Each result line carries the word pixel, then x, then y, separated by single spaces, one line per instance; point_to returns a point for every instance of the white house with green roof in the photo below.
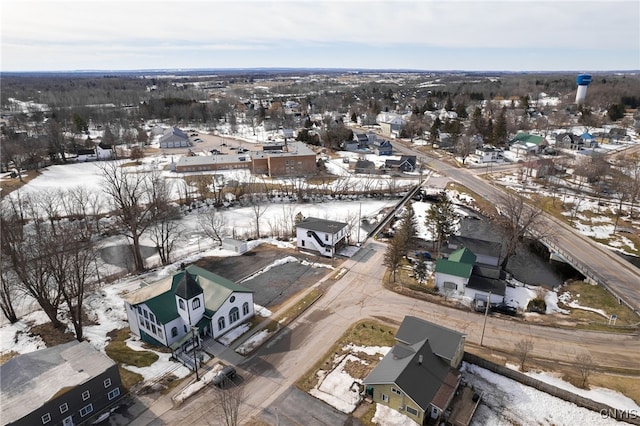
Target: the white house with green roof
pixel 464 274
pixel 164 312
pixel 524 144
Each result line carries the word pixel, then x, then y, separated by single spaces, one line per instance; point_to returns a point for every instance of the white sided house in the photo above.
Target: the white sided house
pixel 170 311
pixel 321 235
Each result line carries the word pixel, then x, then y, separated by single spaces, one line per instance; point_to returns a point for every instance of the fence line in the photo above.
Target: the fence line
pixel 606 411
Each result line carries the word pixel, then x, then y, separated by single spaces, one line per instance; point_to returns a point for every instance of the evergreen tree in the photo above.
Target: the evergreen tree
pixel 434 131
pixel 449 104
pixel 420 270
pixel 441 219
pixel 500 129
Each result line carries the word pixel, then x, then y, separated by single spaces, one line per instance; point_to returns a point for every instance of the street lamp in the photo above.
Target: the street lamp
pixel 195 352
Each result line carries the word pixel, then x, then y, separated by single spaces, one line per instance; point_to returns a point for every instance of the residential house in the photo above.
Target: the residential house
pixel 406 163
pixel 524 144
pixel 487 154
pixel 364 167
pixel 104 151
pixel 85 154
pixel 381 147
pixel 169 311
pixel 589 140
pixel 419 376
pixel 66 384
pixel 321 235
pixel 569 141
pixel 173 137
pixel 390 123
pixel 463 274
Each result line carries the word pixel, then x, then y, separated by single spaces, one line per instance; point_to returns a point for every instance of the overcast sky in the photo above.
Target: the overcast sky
pixel 540 35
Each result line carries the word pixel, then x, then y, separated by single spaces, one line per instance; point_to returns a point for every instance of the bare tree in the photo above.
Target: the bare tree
pixel 522 350
pixel 258 207
pixel 213 224
pixel 165 229
pixel 465 147
pixel 128 196
pixel 8 293
pixel 25 246
pixel 586 365
pixel 518 221
pixel 230 397
pixel 72 262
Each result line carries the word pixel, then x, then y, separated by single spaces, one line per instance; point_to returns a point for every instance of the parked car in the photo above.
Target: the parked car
pixel 504 309
pixel 425 255
pixel 214 152
pixel 225 375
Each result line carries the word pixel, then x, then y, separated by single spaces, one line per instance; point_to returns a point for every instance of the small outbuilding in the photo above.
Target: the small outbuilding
pixel 235 246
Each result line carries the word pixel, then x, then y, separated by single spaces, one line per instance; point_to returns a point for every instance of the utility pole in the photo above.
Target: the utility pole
pixel 359 223
pixel 486 313
pixel 195 352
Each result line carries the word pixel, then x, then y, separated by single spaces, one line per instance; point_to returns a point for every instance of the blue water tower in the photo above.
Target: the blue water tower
pixel 583 81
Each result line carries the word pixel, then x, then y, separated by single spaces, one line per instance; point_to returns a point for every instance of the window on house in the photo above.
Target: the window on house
pixel 107 383
pixel 113 394
pixel 160 331
pixel 141 321
pixel 140 310
pixel 85 395
pixel 64 408
pixel 152 317
pixel 174 331
pixel 326 237
pixel 450 286
pixel 385 398
pixel 245 309
pixel 396 391
pixel 46 418
pixel 86 410
pixel 146 324
pixel 153 329
pixel 233 299
pixel 302 243
pixel 181 304
pixel 196 303
pixel 146 314
pixel 412 411
pixel 234 315
pixel 221 324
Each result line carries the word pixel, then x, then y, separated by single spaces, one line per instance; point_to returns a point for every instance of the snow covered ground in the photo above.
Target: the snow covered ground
pixel 507 402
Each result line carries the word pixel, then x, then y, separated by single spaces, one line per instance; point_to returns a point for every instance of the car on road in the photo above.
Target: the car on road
pixel 226 375
pixel 215 152
pixel 502 308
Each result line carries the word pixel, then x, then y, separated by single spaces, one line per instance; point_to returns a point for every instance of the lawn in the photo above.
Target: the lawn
pixel 118 351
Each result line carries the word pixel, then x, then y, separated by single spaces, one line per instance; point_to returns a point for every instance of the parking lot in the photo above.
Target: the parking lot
pixel 279 283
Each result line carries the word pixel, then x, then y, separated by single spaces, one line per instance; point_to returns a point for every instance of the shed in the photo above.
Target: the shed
pixel 235 246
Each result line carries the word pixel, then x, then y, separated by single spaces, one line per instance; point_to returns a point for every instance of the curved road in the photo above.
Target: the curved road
pixel 359 294
pixel 612 271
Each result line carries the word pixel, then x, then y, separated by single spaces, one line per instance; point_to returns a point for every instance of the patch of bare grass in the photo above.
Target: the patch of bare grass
pixel 362 333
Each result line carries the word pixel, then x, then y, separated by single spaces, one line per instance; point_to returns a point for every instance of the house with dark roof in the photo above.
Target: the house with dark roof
pixel 463 273
pixel 419 376
pixel 169 312
pixel 68 384
pixel 321 235
pixel 406 163
pixel 381 147
pixel 173 137
pixel 570 141
pixel 364 167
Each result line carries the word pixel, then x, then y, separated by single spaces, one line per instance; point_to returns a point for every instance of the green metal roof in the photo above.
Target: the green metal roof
pixel 463 255
pixel 164 307
pixel 457 269
pixel 527 138
pixel 216 289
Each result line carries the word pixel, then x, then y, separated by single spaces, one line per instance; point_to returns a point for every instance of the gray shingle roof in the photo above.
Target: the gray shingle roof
pixel 444 341
pixel 321 225
pixel 29 380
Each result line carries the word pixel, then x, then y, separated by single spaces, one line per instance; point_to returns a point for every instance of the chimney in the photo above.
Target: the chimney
pixel 419 359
